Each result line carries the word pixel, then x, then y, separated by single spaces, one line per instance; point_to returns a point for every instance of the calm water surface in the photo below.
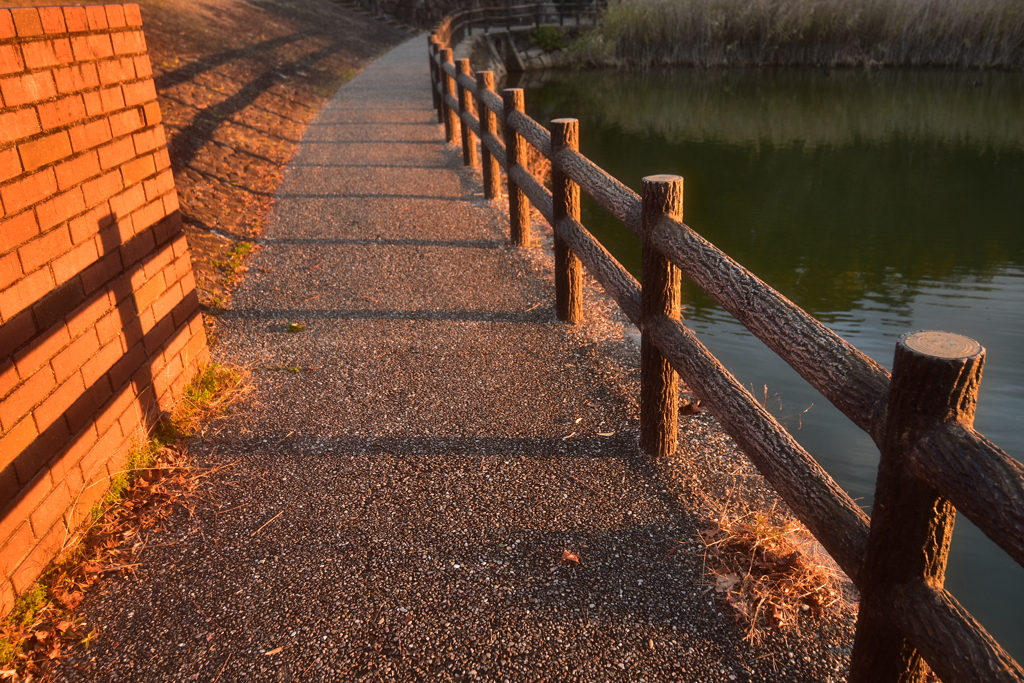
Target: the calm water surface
pixel 881 203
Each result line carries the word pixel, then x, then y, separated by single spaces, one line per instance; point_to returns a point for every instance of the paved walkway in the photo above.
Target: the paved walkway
pixel 413 467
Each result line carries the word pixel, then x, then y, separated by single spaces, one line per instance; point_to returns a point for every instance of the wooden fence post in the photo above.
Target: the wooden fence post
pixel 659 383
pixel 935 379
pixel 565 134
pixel 488 124
pixel 435 76
pixel 432 56
pixel 451 121
pixel 515 153
pixel 466 104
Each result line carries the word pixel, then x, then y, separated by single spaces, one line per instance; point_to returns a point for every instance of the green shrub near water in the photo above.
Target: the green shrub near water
pixel 948 33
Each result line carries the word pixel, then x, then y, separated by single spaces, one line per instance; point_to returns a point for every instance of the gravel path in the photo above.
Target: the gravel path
pixel 410 468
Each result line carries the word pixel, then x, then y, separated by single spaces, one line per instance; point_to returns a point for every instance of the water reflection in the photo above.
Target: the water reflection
pixel 880 202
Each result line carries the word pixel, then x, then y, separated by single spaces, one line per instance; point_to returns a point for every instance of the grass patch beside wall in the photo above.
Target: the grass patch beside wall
pixel 946 33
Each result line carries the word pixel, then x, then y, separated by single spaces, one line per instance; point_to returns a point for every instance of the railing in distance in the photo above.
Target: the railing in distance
pixel 921 418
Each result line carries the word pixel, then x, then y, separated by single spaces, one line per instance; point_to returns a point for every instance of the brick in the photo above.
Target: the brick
pixel 7 29
pixel 25 293
pixel 76 77
pixel 156 186
pixel 90 135
pixel 101 273
pixel 148 216
pixel 88 225
pixel 57 304
pixel 129 42
pixel 125 368
pixel 163 159
pixel 27 88
pixel 111 99
pixel 10 269
pixel 103 188
pixel 76 171
pixel 84 318
pixel 10 164
pixel 41 54
pixel 132 15
pixel 8 380
pixel 60 209
pixel 17 230
pixel 117 323
pixel 52 19
pixel 139 92
pixel 41 350
pixel 100 364
pixel 10 60
pixel 143 67
pixel 65 464
pixel 115 16
pixel 116 153
pixel 138 169
pixel 116 70
pixel 152 112
pixel 44 551
pixel 111 413
pixel 125 122
pixel 74 262
pixel 128 201
pixel 27 22
pixel 16 441
pixel 17 547
pixel 28 190
pixel 89 47
pixel 109 443
pixel 15 332
pixel 76 19
pixel 150 140
pixel 28 499
pixel 53 407
pixel 97 16
pixel 157 262
pixel 46 150
pixel 149 292
pixel 18 124
pixel 62 112
pixel 72 358
pixel 170 203
pixel 139 247
pixel 21 401
pixel 86 406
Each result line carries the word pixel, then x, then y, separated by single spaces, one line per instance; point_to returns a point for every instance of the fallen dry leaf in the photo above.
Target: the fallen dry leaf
pixel 275 651
pixel 569 556
pixel 725 582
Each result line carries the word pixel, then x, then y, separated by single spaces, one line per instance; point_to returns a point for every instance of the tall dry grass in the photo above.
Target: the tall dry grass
pixel 948 33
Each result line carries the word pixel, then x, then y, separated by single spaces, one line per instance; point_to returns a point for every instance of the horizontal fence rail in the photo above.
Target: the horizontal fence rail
pixel 933 463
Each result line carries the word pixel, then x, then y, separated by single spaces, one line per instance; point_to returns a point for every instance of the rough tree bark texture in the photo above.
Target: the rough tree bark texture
pixel 518 205
pixel 565 133
pixel 488 126
pixel 659 383
pixel 469 155
pixel 935 380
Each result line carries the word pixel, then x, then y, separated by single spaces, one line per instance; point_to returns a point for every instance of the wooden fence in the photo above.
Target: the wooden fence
pixel 458 25
pixel 932 461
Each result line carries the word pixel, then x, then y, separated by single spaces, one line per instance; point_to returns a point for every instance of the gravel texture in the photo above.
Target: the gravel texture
pixel 410 468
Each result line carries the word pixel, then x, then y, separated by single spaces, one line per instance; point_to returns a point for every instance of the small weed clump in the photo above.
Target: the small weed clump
pixel 768 570
pixel 547 38
pixel 158 476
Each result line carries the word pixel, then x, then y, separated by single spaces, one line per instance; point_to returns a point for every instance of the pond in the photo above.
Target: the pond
pixel 881 202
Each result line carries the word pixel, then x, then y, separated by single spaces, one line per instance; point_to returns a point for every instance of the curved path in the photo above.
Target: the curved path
pixel 414 466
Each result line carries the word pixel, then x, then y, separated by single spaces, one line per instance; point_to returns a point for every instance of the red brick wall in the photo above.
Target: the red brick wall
pixel 99 327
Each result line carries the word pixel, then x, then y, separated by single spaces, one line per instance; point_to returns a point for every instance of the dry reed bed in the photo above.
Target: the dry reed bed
pixel 947 33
